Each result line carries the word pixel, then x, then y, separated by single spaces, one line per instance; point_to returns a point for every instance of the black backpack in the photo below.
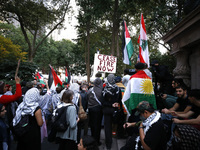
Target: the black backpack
pixel 22 127
pixel 59 123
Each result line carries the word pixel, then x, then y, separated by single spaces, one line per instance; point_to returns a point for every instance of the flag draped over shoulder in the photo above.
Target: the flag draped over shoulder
pixel 143 45
pixel 40 78
pixel 67 76
pixel 53 80
pixel 139 88
pixel 127 45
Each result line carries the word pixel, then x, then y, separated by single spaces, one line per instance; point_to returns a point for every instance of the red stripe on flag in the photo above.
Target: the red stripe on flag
pixel 140 74
pixel 140 54
pixel 55 77
pixel 126 30
pixel 142 22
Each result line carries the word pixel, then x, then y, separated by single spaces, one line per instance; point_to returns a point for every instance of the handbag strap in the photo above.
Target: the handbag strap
pixel 96 97
pixel 80 102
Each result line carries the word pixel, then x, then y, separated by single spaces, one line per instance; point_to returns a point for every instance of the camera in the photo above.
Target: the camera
pixel 161 94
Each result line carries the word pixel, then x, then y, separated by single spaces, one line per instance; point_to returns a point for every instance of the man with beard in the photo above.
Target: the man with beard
pixel 181 106
pixel 192 117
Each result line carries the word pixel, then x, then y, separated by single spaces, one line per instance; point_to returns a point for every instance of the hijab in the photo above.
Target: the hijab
pixel 98 87
pixel 75 88
pixel 28 105
pixel 111 88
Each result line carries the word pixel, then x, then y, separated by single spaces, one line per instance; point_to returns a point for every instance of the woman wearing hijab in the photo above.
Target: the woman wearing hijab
pixel 31 140
pixel 112 98
pixel 95 109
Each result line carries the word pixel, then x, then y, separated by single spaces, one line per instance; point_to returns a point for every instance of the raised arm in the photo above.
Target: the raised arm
pixel 5 99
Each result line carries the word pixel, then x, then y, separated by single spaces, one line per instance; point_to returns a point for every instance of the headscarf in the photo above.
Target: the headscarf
pixel 75 88
pixel 28 105
pixel 111 88
pixel 189 137
pixel 98 87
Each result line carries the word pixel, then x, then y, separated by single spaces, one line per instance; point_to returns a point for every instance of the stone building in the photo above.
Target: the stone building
pixel 185 41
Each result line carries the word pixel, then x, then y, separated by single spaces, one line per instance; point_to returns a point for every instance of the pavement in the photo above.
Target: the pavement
pixel 116 145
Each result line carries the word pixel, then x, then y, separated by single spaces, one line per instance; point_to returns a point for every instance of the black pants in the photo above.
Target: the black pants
pixel 82 125
pixel 108 114
pixel 130 144
pixel 66 144
pixel 95 118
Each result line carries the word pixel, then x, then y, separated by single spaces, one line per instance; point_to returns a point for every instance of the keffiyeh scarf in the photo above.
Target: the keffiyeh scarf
pixel 153 118
pixel 189 137
pixel 111 88
pixel 28 106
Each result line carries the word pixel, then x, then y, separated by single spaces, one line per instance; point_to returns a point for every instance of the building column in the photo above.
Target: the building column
pixel 195 67
pixel 182 69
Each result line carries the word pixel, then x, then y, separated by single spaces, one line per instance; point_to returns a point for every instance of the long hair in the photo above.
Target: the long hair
pixel 66 97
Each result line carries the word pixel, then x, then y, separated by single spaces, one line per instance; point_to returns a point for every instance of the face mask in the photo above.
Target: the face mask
pixel 142 118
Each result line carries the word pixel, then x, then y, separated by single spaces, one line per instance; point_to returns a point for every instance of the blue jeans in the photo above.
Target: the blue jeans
pixel 169 117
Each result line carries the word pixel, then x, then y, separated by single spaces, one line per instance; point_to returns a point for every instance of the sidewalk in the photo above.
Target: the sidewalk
pixel 116 145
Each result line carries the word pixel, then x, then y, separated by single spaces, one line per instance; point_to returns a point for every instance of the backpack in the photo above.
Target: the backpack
pixel 22 127
pixel 59 123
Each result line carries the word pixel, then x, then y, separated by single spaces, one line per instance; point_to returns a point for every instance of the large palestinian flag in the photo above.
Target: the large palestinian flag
pixel 127 45
pixel 139 88
pixel 53 80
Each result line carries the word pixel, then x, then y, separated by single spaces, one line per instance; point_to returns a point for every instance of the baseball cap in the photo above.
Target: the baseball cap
pixel 142 106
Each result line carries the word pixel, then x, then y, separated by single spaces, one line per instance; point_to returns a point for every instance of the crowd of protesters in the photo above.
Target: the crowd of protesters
pixel 174 124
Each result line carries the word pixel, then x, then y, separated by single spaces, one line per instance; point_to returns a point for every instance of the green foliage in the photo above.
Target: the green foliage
pixel 10 51
pixel 59 54
pixel 34 17
pixel 15 34
pixel 26 70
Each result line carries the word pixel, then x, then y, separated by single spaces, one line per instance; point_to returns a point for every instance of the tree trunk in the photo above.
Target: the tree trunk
pixel 88 53
pixel 114 28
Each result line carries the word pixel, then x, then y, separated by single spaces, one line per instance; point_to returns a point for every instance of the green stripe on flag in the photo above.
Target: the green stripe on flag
pixel 136 98
pixel 130 49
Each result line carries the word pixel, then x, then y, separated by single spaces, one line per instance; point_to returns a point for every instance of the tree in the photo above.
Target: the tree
pixel 90 12
pixel 14 34
pixel 9 51
pixel 59 54
pixel 35 17
pixel 26 70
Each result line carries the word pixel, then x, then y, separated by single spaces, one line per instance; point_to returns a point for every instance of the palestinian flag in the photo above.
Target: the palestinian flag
pixel 127 45
pixel 67 76
pixel 143 45
pixel 139 88
pixel 40 78
pixel 53 80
